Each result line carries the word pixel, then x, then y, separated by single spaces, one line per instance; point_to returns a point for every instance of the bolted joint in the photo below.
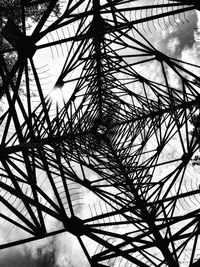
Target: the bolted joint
pixel 23 44
pixel 75 226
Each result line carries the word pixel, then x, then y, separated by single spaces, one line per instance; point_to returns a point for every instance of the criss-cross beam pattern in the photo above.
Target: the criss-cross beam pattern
pixel 107 158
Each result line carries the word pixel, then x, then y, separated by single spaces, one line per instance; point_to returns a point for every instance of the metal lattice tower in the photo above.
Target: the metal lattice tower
pixel 109 160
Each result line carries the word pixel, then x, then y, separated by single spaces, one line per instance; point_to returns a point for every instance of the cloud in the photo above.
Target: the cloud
pixel 64 250
pixel 172 44
pixel 69 252
pixel 42 255
pixel 191 54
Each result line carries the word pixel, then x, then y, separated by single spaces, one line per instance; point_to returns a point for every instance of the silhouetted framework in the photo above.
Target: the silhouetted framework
pixel 109 161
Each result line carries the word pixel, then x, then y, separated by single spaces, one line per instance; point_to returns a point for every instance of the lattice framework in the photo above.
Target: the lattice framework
pixel 107 137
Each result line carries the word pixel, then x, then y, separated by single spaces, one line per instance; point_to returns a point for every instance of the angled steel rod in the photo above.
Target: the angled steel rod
pixel 110 161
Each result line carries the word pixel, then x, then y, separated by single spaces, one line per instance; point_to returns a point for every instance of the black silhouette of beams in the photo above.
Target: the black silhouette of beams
pixel 97 41
pixel 26 159
pixel 27 240
pixel 115 10
pixel 44 18
pixel 7 76
pixel 186 2
pixel 31 201
pixel 118 26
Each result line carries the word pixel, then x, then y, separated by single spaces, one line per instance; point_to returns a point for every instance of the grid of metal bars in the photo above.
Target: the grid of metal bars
pixel 112 161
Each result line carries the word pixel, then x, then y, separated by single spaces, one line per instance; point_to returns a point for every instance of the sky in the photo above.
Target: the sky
pixel 63 250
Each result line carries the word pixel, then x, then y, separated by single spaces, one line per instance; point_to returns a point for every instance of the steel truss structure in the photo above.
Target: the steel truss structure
pixel 110 160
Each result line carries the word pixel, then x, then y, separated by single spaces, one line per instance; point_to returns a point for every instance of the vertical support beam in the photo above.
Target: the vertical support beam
pixel 160 242
pixel 97 40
